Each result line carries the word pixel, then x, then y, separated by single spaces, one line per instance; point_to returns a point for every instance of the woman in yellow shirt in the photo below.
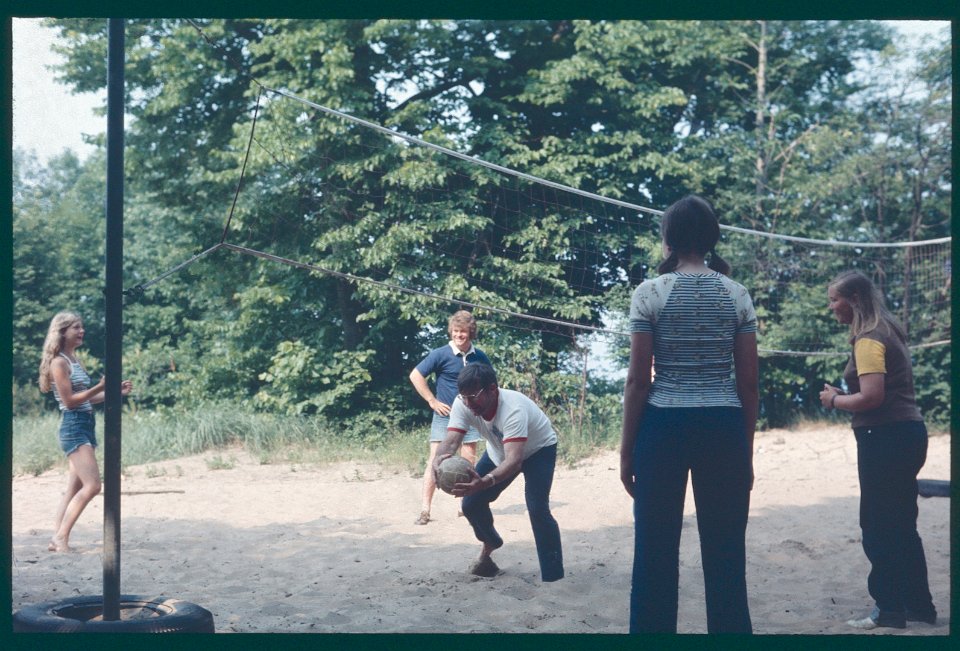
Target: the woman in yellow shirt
pixel 891 449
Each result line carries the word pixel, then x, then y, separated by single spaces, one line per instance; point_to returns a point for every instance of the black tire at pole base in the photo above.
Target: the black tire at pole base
pixel 138 614
pixel 933 487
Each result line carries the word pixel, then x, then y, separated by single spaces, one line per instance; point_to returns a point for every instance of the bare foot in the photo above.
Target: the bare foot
pixel 484 566
pixel 58 545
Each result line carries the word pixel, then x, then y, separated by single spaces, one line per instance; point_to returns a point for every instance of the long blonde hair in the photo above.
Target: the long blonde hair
pixel 870 311
pixel 53 344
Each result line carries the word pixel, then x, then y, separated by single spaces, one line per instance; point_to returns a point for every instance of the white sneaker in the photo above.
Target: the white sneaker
pixel 865 624
pixel 876 618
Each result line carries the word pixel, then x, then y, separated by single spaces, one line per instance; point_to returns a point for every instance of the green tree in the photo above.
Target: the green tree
pixel 58 235
pixel 764 117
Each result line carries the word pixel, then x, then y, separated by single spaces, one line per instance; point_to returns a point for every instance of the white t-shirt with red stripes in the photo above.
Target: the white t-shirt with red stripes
pixel 518 418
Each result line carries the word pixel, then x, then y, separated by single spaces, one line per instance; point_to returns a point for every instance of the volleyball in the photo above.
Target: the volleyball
pixel 453 470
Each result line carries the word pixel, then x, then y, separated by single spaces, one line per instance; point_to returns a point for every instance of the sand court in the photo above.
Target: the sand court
pixel 333 549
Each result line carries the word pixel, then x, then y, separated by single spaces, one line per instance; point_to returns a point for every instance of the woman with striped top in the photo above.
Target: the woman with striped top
pixel 697 417
pixel 61 371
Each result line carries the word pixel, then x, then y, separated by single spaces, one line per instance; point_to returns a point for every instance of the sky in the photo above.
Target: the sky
pixel 48 118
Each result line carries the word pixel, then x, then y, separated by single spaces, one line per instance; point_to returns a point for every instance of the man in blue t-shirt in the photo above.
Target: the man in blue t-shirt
pixel 446 362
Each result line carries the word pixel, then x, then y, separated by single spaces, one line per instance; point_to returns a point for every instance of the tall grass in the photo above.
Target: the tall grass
pixel 35 445
pixel 149 437
pixel 582 435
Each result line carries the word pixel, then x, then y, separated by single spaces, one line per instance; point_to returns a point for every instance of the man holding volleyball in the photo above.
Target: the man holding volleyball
pixel 519 438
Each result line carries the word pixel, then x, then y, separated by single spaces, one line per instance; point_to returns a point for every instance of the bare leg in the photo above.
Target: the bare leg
pixel 73 485
pixel 83 466
pixel 429 485
pixel 469 452
pixel 486 550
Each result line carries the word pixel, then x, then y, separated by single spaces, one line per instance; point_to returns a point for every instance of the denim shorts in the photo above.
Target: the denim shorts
pixel 76 429
pixel 438 430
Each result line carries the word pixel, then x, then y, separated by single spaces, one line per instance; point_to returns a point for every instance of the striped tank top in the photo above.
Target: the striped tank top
pixel 79 381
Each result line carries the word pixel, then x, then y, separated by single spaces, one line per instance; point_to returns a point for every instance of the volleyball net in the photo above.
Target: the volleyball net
pixel 410 221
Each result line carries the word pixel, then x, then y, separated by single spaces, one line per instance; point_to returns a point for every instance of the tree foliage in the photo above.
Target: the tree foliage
pixel 773 120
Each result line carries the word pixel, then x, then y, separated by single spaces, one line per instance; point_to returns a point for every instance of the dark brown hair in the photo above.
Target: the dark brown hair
pixel 475 376
pixel 690 225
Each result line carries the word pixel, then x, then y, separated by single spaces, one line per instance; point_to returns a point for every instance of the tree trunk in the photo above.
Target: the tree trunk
pixel 760 118
pixel 348 308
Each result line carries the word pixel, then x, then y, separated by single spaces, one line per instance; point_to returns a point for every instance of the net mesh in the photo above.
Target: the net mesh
pixel 784 276
pixel 393 212
pixel 401 216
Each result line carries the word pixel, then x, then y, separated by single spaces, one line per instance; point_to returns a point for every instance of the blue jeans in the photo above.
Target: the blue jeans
pixel 711 444
pixel 538 478
pixel 888 460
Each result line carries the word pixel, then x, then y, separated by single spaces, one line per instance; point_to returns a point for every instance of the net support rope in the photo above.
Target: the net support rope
pixel 243 169
pixel 140 288
pixel 572 190
pixel 407 290
pixel 535 179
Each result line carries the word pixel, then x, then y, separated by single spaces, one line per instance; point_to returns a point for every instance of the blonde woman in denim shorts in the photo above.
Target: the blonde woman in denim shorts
pixel 61 371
